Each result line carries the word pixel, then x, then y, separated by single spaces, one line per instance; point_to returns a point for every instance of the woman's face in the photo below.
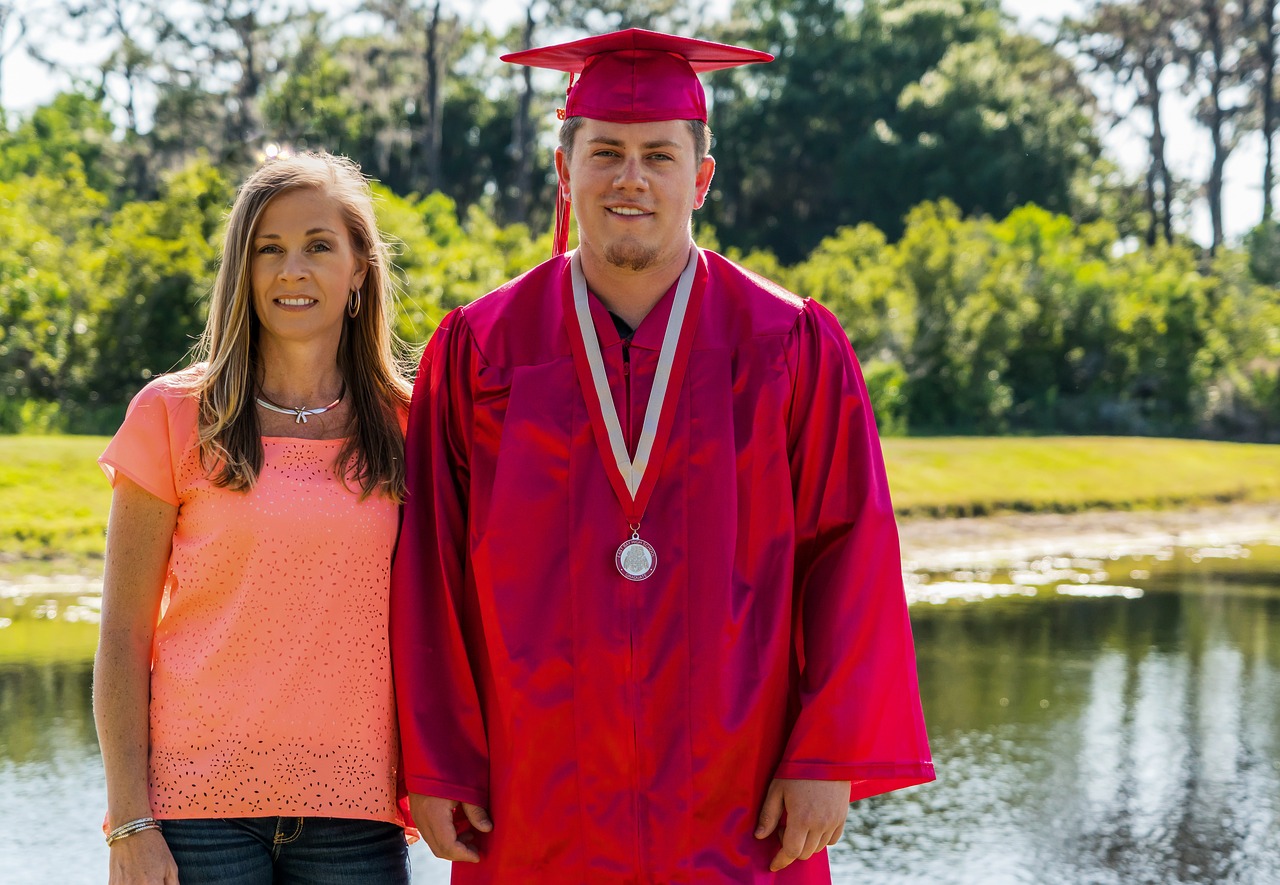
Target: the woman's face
pixel 303 269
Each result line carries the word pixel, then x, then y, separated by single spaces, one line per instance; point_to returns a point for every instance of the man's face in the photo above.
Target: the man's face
pixel 633 188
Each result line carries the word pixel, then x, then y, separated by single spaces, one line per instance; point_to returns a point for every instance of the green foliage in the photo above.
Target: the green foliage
pixel 49 228
pixel 153 273
pixel 965 322
pixel 856 170
pixel 886 386
pixel 872 108
pixel 1263 246
pixel 315 105
pixel 71 134
pixel 364 97
pixel 850 274
pixel 94 301
pixel 442 262
pixel 1035 323
pixel 1241 358
pixel 1053 270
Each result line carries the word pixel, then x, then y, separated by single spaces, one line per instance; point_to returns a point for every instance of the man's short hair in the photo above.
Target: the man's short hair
pixel 701 136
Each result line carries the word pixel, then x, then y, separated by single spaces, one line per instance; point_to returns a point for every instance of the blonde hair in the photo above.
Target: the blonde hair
pixel 229 433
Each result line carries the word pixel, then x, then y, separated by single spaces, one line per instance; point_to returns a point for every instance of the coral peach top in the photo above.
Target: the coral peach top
pixel 271 678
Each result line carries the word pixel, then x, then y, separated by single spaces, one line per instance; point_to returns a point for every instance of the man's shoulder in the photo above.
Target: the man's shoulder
pixel 519 322
pixel 531 291
pixel 757 306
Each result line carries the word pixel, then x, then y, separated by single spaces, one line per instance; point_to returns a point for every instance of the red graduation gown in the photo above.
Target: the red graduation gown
pixel 623 731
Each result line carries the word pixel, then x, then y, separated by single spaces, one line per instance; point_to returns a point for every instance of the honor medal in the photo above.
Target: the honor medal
pixel 636 559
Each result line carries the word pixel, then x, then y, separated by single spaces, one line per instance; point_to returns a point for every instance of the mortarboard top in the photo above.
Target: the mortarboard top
pixel 633 76
pixel 637 76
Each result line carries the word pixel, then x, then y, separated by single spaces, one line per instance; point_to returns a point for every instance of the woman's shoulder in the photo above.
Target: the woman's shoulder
pixel 176 396
pixel 175 387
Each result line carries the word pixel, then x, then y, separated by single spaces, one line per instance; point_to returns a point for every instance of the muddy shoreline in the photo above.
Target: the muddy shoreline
pixel 929 544
pixel 1000 541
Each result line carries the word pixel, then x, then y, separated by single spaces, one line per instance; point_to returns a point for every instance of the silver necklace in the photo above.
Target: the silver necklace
pixel 300 415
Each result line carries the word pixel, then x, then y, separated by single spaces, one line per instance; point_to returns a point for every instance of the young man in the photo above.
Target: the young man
pixel 648 622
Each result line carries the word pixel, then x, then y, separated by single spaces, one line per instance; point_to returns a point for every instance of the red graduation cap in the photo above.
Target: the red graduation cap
pixel 633 76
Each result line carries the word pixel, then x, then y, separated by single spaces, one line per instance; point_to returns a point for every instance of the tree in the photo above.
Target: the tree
pixel 997 123
pixel 70 135
pixel 1213 39
pixel 129 27
pixel 154 273
pixel 855 274
pixel 523 131
pixel 318 103
pixel 866 113
pixel 362 96
pixel 965 327
pixel 1134 44
pixel 1263 22
pixel 50 225
pixel 1055 369
pixel 433 39
pixel 132 29
pixel 219 56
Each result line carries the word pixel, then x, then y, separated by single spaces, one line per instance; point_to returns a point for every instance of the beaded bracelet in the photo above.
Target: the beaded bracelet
pixel 134 826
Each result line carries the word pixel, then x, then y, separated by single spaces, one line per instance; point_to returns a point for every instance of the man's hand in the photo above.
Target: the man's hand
pixel 815 812
pixel 434 817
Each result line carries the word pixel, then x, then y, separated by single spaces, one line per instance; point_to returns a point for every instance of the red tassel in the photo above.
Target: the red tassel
pixel 560 243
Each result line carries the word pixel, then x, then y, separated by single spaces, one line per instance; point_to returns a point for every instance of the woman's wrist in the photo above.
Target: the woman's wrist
pixel 132 828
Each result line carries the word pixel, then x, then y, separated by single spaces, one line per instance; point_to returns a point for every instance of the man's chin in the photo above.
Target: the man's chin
pixel 630 256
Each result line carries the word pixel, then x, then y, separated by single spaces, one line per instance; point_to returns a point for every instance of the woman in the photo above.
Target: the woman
pixel 242 688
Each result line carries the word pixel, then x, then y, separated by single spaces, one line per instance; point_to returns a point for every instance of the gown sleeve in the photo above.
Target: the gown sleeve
pixel 441 724
pixel 859 715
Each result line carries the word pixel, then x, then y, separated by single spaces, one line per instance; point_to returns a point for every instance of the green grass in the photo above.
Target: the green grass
pixel 54 498
pixel 953 476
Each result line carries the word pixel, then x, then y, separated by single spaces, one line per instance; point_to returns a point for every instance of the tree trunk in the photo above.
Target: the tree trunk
pixel 1216 121
pixel 433 99
pixel 1267 51
pixel 1149 200
pixel 522 133
pixel 1159 178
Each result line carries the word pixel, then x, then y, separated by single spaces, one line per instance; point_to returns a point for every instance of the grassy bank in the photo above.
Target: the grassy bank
pixel 54 499
pixel 967 476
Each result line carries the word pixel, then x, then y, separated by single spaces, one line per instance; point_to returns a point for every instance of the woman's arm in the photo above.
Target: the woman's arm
pixel 139 539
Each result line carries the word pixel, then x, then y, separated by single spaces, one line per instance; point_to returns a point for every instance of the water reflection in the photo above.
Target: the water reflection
pixel 1111 738
pixel 51 791
pixel 1094 740
pixel 57 695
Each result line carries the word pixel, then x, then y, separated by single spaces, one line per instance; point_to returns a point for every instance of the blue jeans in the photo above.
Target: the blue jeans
pixel 287 851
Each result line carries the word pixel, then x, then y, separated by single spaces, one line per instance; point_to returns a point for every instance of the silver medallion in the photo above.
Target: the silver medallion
pixel 636 559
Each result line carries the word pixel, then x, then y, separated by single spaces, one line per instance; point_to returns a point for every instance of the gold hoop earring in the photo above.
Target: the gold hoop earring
pixel 353 303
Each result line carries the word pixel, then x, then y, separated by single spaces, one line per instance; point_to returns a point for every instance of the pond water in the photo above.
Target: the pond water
pixel 1092 722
